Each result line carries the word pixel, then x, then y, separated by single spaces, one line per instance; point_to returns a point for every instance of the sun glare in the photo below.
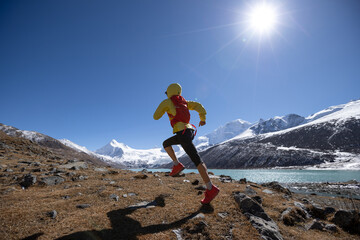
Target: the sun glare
pixel 262 18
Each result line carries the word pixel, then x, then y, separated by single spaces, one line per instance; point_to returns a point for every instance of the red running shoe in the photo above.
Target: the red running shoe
pixel 176 169
pixel 210 195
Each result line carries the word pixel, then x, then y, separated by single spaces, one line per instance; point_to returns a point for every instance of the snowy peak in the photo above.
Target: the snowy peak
pixel 134 158
pixel 39 138
pixel 277 124
pixel 113 149
pixel 339 112
pixel 117 144
pixel 30 135
pixel 222 133
pixel 74 146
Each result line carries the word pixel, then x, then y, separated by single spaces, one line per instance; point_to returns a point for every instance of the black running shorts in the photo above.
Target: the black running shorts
pixel 185 140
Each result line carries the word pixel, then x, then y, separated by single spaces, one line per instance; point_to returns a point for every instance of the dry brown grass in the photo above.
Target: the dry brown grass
pixel 23 213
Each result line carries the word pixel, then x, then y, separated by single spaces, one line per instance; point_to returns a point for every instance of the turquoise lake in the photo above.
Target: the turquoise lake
pixel 280 175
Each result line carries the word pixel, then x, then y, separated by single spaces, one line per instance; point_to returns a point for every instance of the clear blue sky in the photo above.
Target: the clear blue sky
pixel 91 71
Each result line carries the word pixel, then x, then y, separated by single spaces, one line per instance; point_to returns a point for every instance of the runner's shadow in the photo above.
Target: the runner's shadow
pixel 124 227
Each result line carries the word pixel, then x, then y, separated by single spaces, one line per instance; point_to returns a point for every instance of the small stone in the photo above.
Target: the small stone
pixel 52 214
pixel 242 181
pixel 223 214
pixel 29 180
pixel 75 165
pixel 267 191
pixel 50 181
pixel 70 174
pixel 258 199
pixel 66 197
pixel 82 206
pixel 141 176
pixel 315 225
pixel 201 188
pixel 131 194
pixel 112 182
pixel 331 227
pixel 143 204
pixel 225 179
pixel 200 215
pixel 329 210
pixel 195 182
pixel 100 170
pixel 114 197
pixel 178 234
pixel 249 190
pixel 8 170
pixel 125 195
pixel 277 187
pixel 185 180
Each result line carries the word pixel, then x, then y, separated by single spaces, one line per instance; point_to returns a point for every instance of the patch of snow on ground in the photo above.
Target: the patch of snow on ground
pixel 343 161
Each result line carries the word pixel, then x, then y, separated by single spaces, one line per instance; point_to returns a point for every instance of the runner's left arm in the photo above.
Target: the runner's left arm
pixel 199 108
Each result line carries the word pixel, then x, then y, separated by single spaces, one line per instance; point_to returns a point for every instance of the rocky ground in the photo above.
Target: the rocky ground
pixel 349 189
pixel 47 196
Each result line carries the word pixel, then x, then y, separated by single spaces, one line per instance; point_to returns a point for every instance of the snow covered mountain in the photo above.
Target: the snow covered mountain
pixel 242 129
pixel 64 148
pixel 222 134
pixel 79 148
pixel 39 138
pixel 277 124
pixel 135 158
pixel 327 139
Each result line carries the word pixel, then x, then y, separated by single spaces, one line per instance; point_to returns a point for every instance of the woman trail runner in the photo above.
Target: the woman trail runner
pixel 177 109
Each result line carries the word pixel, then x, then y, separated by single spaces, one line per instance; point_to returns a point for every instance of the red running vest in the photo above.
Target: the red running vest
pixel 182 111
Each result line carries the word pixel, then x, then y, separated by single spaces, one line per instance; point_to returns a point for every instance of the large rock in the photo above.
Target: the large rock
pixel 303 208
pixel 249 206
pixel 277 187
pixel 75 165
pixel 315 224
pixel 292 216
pixel 348 220
pixel 29 180
pixel 53 180
pixel 257 216
pixel 317 211
pixel 267 229
pixel 249 190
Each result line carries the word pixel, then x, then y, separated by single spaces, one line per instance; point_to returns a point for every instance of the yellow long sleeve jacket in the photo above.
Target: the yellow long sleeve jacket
pixel 168 106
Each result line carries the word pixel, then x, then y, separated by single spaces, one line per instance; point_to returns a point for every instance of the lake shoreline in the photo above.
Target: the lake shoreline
pixel 348 185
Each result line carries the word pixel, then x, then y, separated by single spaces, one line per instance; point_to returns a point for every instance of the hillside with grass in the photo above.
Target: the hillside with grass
pixel 45 195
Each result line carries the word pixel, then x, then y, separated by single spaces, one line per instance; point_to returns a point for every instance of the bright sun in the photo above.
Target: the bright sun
pixel 262 18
